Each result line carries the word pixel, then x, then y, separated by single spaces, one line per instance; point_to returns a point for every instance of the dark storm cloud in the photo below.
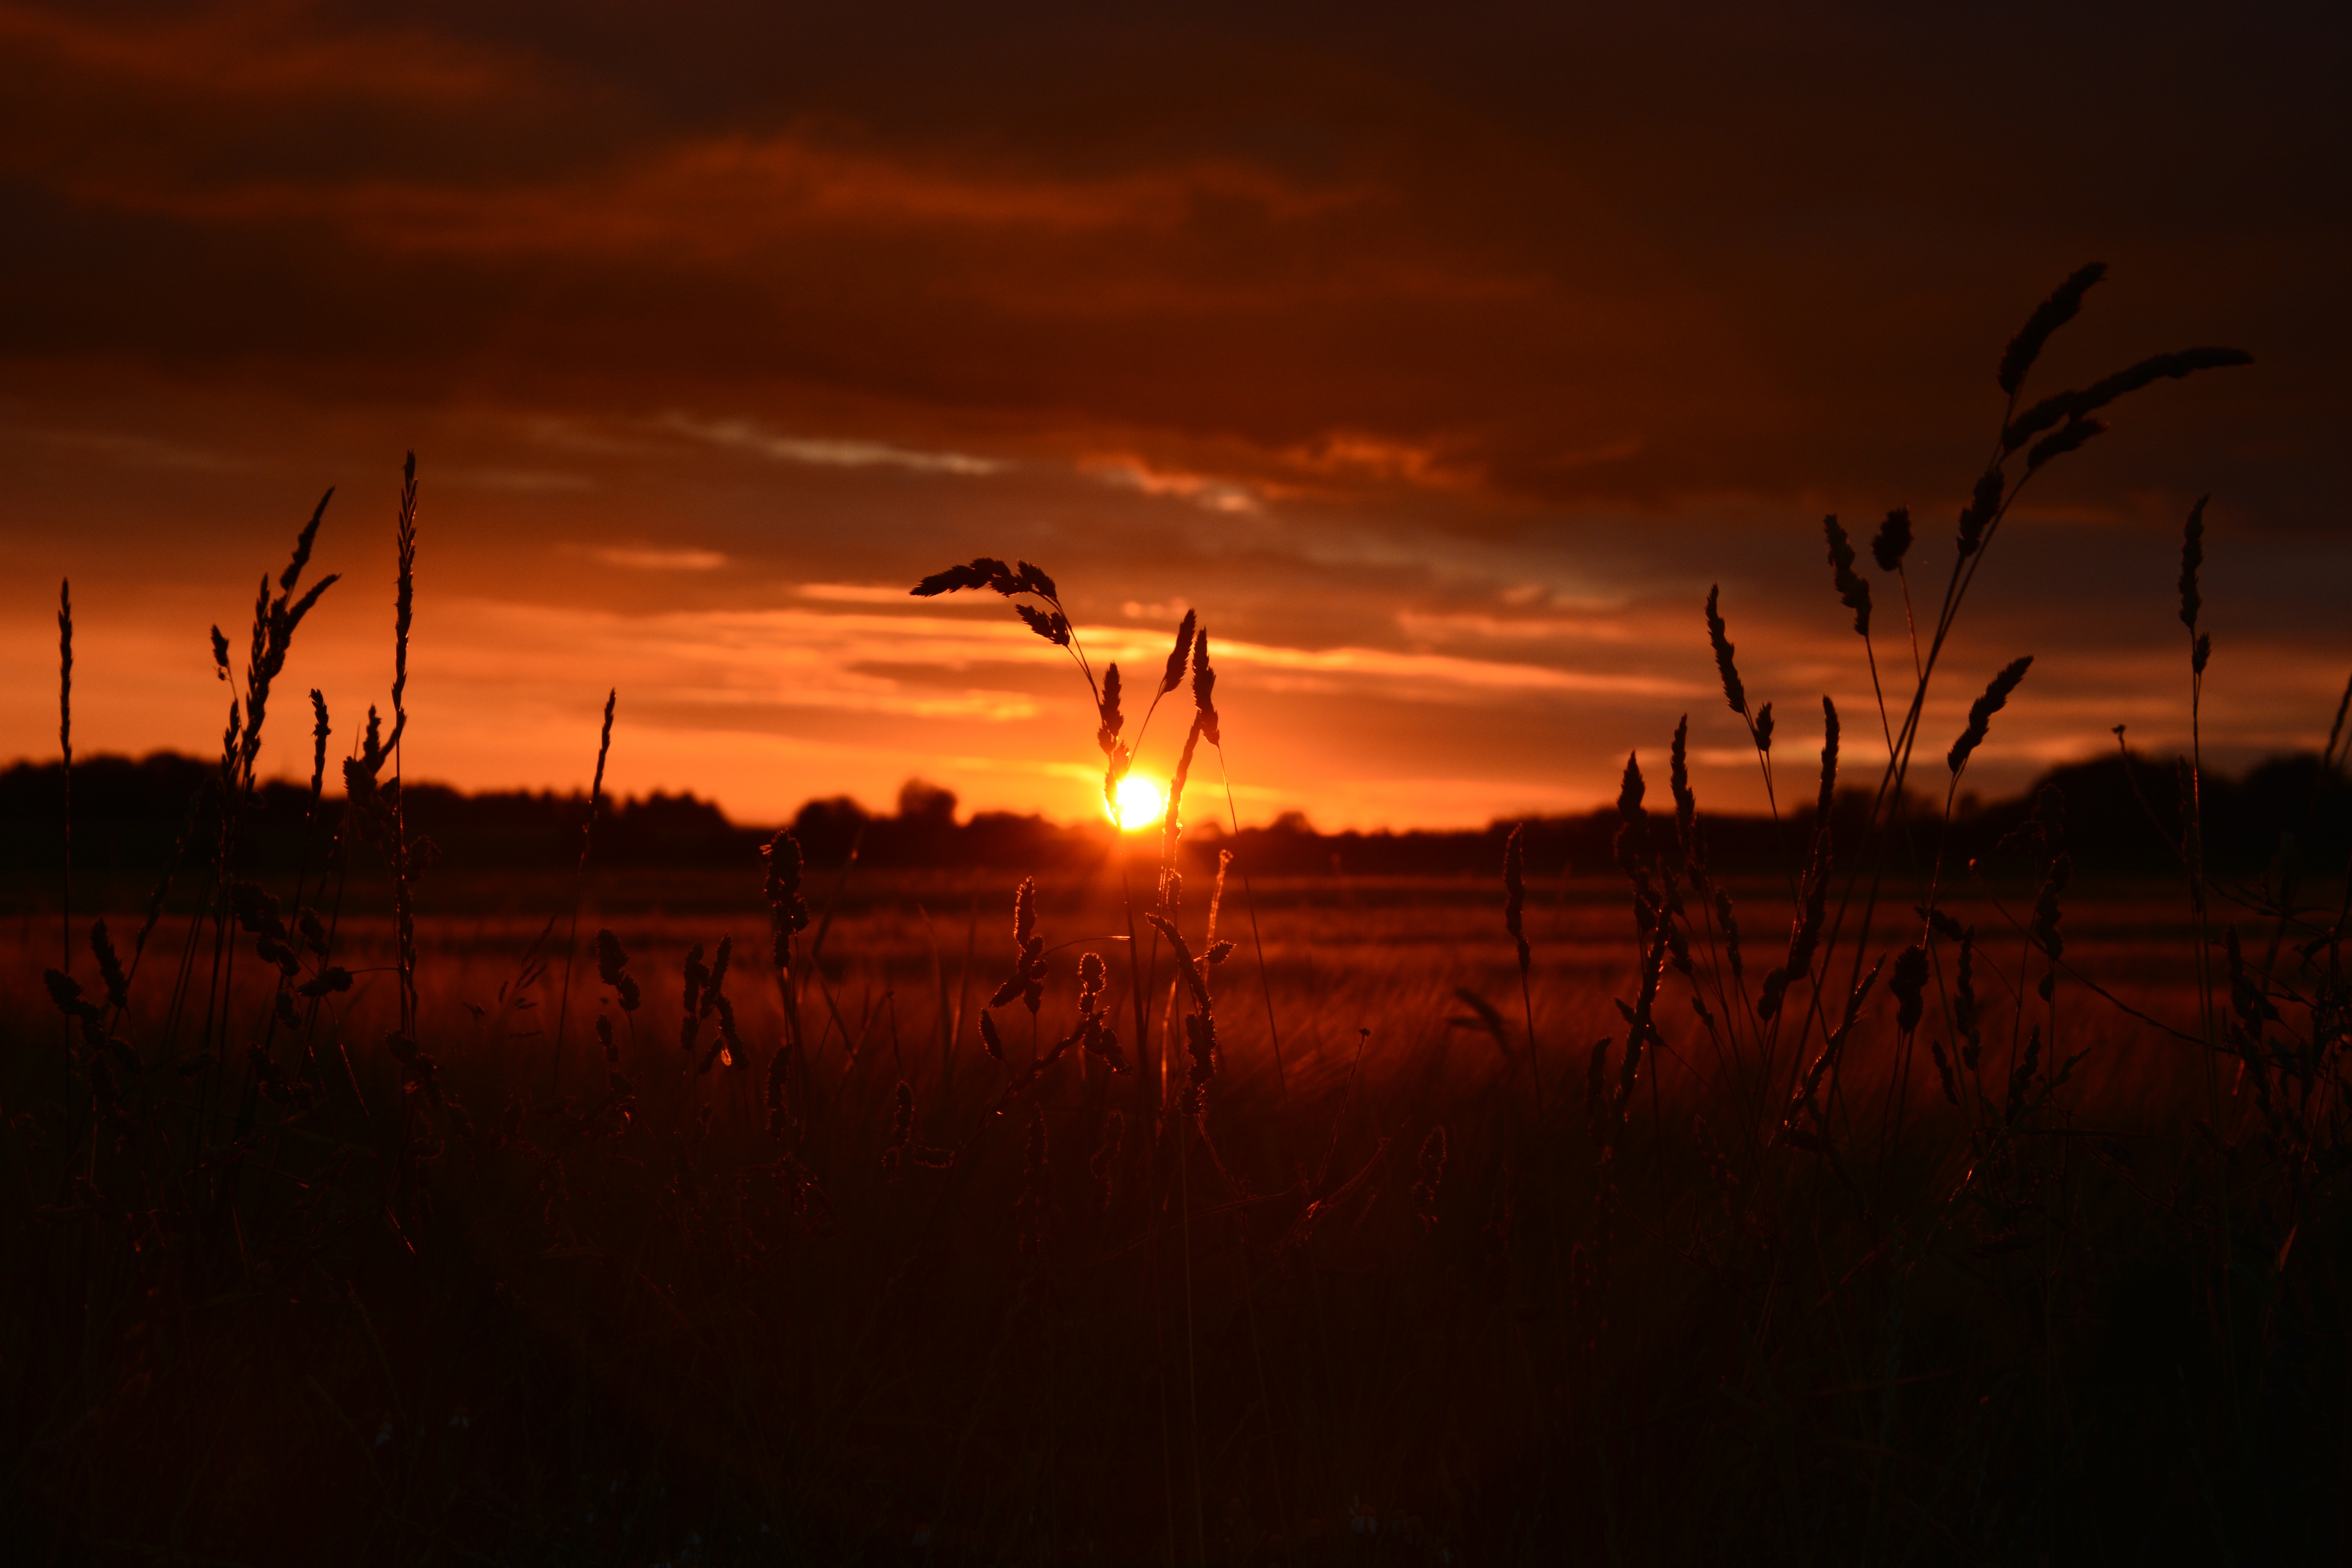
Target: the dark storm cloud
pixel 1571 254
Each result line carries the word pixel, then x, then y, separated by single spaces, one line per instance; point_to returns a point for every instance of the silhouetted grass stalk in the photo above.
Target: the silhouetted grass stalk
pixel 580 889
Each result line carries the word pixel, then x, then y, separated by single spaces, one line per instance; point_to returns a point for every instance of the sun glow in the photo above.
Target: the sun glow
pixel 1141 802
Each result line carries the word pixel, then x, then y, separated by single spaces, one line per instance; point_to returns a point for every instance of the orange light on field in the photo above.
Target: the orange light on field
pixel 1141 802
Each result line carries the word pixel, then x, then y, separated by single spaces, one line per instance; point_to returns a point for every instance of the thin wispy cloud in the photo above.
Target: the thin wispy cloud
pixel 131 450
pixel 648 558
pixel 517 481
pixel 749 436
pixel 1431 628
pixel 1204 490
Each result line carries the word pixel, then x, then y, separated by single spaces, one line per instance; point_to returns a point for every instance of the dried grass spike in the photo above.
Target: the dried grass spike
pixel 610 957
pixel 1107 736
pixel 1204 687
pixel 109 966
pixel 2068 436
pixel 1718 637
pixel 1829 764
pixel 1909 985
pixel 1514 892
pixel 2192 557
pixel 1730 924
pixel 2048 317
pixel 404 605
pixel 1854 591
pixel 953 580
pixel 1996 695
pixel 2072 406
pixel 1050 625
pixel 1678 780
pixel 1173 676
pixel 1892 540
pixel 1983 504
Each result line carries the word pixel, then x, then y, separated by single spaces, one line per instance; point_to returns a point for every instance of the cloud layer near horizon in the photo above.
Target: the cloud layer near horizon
pixel 1441 372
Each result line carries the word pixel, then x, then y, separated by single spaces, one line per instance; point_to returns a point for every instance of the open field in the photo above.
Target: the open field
pixel 577 1326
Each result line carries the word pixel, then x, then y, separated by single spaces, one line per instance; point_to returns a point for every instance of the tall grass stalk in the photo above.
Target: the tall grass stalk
pixel 580 889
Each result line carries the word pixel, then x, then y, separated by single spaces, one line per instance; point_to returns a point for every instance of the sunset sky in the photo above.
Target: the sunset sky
pixel 1441 358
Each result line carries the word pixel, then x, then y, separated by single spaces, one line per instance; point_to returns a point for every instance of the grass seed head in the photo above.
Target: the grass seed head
pixel 109 966
pixel 696 975
pixel 405 592
pixel 1731 923
pixel 1984 504
pixel 2063 440
pixel 1828 763
pixel 1171 820
pixel 611 963
pixel 1853 590
pixel 1909 985
pixel 1892 539
pixel 2048 317
pixel 1981 712
pixel 1051 625
pixel 1678 781
pixel 1515 892
pixel 1204 687
pixel 2067 407
pixel 981 571
pixel 1718 637
pixel 787 911
pixel 715 984
pixel 1028 977
pixel 1173 676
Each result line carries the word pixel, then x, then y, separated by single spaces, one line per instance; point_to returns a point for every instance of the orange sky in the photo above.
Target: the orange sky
pixel 1439 361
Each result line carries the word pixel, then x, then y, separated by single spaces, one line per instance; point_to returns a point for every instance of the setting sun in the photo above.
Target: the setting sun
pixel 1141 802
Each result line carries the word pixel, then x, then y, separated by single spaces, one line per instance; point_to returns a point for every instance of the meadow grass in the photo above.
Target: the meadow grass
pixel 1946 1214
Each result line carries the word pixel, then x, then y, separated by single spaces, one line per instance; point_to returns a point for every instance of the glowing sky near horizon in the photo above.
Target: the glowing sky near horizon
pixel 1440 369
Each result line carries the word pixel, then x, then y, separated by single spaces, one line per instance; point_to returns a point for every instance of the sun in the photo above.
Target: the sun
pixel 1141 802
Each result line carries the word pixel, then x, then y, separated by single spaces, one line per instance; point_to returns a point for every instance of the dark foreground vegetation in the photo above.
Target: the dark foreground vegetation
pixel 1866 1210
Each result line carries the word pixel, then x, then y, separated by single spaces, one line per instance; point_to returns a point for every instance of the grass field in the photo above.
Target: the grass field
pixel 600 1337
